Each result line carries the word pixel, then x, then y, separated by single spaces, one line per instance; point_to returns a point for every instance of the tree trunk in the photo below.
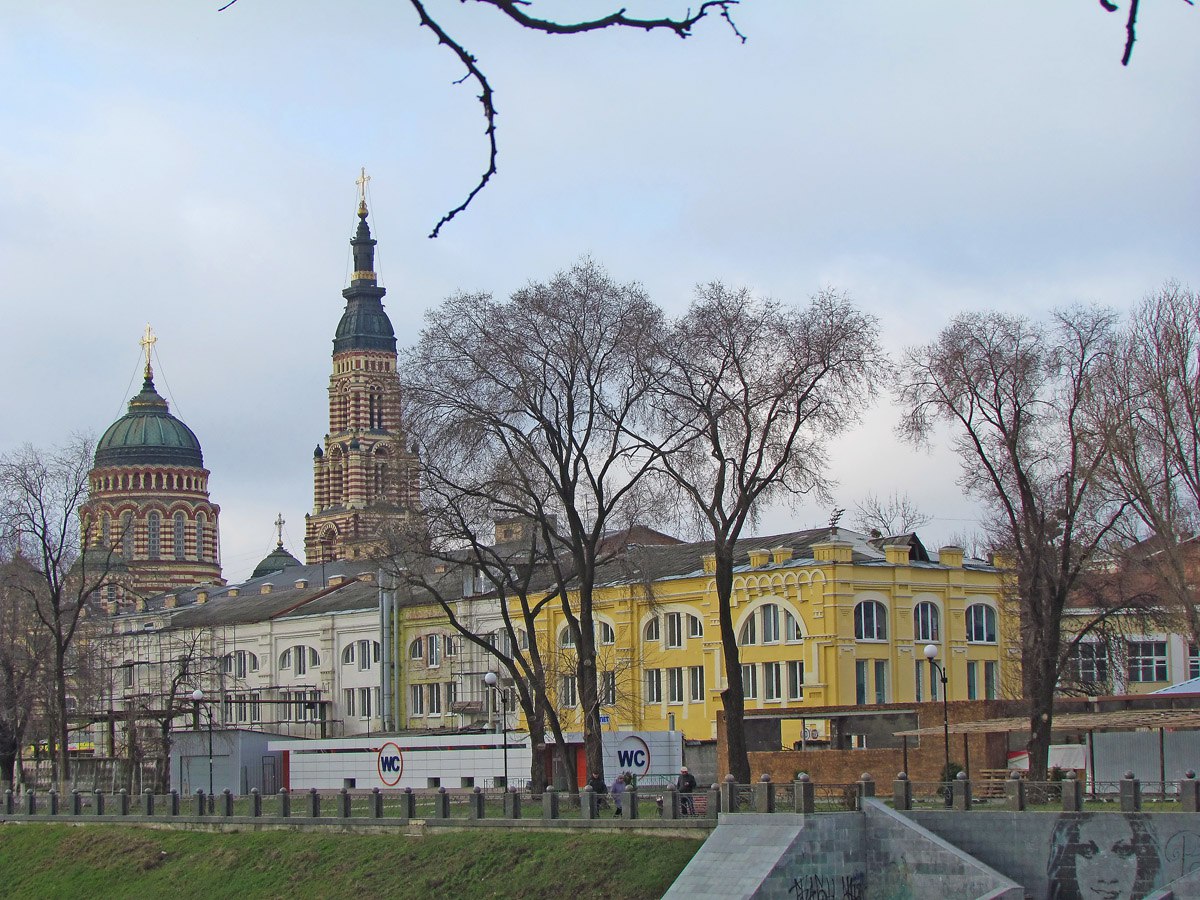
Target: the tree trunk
pixel 733 698
pixel 60 698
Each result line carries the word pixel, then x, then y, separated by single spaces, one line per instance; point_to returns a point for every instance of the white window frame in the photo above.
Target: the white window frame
pixel 675 685
pixel 876 628
pixel 653 679
pixel 696 683
pixel 981 624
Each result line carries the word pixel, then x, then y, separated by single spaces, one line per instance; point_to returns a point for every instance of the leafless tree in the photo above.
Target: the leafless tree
pixel 1016 396
pixel 1152 397
pixel 540 394
pixel 895 514
pixel 450 555
pixel 748 391
pixel 23 648
pixel 41 491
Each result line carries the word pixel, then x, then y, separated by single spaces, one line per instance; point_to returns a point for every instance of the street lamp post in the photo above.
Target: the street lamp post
pixel 931 651
pixel 197 698
pixel 493 681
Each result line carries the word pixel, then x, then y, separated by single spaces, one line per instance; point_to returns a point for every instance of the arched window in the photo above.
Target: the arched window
pixel 177 538
pixel 285 659
pixel 106 531
pixel 127 536
pixel 870 621
pixel 749 633
pixel 201 521
pixel 695 627
pixel 981 624
pixel 565 638
pixel 926 622
pixel 240 663
pixel 652 631
pixel 608 634
pixel 416 650
pixel 153 535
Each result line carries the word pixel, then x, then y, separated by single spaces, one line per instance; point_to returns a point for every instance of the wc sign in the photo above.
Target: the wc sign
pixel 633 755
pixel 390 764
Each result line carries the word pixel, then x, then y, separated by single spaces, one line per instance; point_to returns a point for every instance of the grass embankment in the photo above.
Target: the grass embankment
pixel 117 861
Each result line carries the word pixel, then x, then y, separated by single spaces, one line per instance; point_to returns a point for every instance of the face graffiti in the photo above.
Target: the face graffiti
pixel 1104 856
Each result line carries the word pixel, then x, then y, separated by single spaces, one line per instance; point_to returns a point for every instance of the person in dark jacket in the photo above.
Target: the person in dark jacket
pixel 686 785
pixel 599 788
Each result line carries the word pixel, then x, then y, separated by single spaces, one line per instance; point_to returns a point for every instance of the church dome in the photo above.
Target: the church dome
pixel 148 433
pixel 275 561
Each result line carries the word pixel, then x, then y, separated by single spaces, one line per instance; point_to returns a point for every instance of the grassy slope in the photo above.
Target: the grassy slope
pixel 117 861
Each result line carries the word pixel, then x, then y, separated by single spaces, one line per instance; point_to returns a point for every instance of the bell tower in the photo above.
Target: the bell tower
pixel 364 474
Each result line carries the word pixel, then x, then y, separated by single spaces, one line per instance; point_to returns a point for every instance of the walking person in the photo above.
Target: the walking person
pixel 618 792
pixel 599 789
pixel 686 785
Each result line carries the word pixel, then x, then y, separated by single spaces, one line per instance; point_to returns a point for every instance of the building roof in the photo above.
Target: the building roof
pixel 149 434
pixel 1109 720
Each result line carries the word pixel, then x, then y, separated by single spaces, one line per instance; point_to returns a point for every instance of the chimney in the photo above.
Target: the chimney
pixel 897 554
pixel 710 563
pixel 780 555
pixel 170 602
pixel 266 587
pixel 233 592
pixel 951 556
pixel 335 580
pixel 759 558
pixel 301 583
pixel 366 577
pixel 201 597
pixel 833 551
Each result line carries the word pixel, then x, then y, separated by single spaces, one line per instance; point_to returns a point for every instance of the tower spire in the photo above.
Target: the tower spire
pixel 148 341
pixel 362 242
pixel 279 523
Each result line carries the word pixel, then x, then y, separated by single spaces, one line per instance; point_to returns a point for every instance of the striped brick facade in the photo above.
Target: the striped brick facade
pixel 364 474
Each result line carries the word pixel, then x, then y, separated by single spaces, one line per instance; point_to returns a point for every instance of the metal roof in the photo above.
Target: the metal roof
pixel 1114 720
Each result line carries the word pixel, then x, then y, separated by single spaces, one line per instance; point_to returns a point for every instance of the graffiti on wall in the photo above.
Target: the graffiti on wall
pixel 829 887
pixel 1103 856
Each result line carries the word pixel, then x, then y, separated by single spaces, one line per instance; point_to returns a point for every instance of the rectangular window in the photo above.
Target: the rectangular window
pixel 1193 661
pixel 934 683
pixel 451 694
pixel 608 688
pixel 750 682
pixel 1089 663
pixel 227 709
pixel 881 681
pixel 416 700
pixel 568 692
pixel 990 678
pixel 242 708
pixel 795 679
pixel 364 655
pixel 1147 661
pixel 861 675
pixel 256 707
pixel 654 685
pixel 674 630
pixel 772 681
pixel 972 681
pixel 435 650
pixel 920 680
pixel 770 623
pixel 348 702
pixel 696 681
pixel 675 685
pixel 301 660
pixel 435 699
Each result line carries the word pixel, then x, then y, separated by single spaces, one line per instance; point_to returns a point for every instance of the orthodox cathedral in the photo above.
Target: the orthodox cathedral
pixel 148 490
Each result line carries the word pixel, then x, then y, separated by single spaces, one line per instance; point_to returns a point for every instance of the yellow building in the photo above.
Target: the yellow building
pixel 821 620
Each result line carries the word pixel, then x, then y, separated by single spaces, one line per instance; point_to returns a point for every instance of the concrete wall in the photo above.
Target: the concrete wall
pixel 1036 848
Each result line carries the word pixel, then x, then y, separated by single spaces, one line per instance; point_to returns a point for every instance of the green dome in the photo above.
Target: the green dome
pixel 276 561
pixel 148 433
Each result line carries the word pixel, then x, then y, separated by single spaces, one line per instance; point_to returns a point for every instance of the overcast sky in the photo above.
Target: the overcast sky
pixel 166 163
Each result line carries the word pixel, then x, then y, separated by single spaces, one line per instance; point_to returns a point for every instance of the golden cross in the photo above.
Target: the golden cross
pixel 279 523
pixel 361 181
pixel 148 341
